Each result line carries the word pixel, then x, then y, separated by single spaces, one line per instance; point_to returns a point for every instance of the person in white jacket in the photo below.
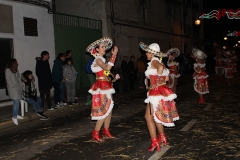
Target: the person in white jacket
pixel 14 87
pixel 70 74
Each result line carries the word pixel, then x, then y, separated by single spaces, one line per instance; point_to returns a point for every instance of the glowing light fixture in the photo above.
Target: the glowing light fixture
pixel 197 22
pixel 224 47
pixel 225 38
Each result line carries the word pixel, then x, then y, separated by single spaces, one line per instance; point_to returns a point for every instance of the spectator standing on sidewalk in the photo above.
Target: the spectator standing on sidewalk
pixel 102 89
pixel 132 72
pixel 68 54
pixel 160 110
pixel 141 70
pixel 57 78
pixel 29 94
pixel 43 72
pixel 69 73
pixel 125 72
pixel 14 87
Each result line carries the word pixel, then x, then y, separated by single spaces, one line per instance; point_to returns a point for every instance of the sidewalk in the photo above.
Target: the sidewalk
pixel 6 108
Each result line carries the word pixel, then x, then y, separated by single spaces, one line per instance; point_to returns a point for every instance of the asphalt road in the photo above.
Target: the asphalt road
pixel 204 132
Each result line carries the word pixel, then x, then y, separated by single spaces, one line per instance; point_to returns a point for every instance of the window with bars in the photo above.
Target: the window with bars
pixel 30 27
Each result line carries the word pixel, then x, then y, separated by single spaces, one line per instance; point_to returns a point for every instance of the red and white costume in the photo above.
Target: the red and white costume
pixel 161 97
pixel 234 59
pixel 219 64
pixel 201 79
pixel 101 90
pixel 228 68
pixel 173 68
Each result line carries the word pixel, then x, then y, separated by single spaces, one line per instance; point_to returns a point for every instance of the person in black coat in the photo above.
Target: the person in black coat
pixel 125 72
pixel 132 72
pixel 43 72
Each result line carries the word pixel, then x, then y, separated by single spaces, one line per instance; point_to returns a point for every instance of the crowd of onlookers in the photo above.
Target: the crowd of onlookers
pixel 62 78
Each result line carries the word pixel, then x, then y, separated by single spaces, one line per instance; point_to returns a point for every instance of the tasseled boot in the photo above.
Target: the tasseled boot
pixel 162 139
pixel 106 133
pixel 154 145
pixel 201 100
pixel 96 136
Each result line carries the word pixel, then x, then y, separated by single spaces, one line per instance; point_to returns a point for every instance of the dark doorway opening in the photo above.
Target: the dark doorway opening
pixel 6 53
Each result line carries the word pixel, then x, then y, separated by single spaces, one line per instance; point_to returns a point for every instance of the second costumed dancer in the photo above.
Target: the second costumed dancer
pixel 173 68
pixel 200 76
pixel 102 89
pixel 160 110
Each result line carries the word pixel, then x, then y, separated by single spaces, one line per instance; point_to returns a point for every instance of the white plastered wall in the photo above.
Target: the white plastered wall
pixel 27 48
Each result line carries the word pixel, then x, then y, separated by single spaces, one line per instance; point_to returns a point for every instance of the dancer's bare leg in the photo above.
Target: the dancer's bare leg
pixel 99 124
pixel 150 122
pixel 108 120
pixel 160 127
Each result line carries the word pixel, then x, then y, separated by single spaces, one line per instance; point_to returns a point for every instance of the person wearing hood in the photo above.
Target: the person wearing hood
pixel 43 72
pixel 57 78
pixel 29 94
pixel 70 73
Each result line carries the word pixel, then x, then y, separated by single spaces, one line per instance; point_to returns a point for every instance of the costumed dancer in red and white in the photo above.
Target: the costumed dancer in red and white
pixel 234 61
pixel 173 68
pixel 200 76
pixel 160 110
pixel 228 67
pixel 219 67
pixel 102 89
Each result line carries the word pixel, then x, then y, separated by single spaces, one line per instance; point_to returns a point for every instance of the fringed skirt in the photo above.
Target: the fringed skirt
pixel 102 103
pixel 164 108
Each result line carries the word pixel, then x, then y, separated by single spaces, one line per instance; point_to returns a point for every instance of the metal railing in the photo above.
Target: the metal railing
pixel 75 21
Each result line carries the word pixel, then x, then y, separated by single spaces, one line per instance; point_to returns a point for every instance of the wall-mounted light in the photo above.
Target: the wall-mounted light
pixel 225 38
pixel 236 44
pixel 197 22
pixel 224 47
pixel 238 41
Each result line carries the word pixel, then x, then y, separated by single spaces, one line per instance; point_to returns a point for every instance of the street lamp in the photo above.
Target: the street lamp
pixel 225 38
pixel 197 22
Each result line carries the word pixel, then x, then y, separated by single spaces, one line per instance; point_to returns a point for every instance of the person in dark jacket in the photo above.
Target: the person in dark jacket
pixel 132 72
pixel 29 94
pixel 125 72
pixel 43 72
pixel 57 78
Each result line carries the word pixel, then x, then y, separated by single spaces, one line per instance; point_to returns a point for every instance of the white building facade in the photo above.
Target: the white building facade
pixel 26 44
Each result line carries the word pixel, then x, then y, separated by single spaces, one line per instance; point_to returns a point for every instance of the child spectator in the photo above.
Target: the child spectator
pixel 29 94
pixel 70 74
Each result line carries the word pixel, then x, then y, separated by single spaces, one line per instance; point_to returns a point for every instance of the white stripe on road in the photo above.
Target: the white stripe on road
pixel 157 154
pixel 208 106
pixel 189 125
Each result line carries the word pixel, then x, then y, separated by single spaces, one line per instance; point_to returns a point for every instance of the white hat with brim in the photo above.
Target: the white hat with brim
pixel 174 50
pixel 106 40
pixel 152 48
pixel 198 54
